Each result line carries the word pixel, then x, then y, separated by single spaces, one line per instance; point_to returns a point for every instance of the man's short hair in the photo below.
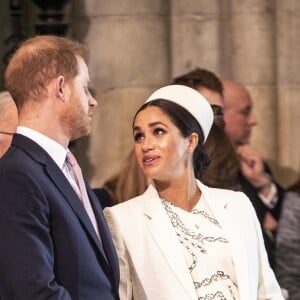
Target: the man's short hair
pixel 39 60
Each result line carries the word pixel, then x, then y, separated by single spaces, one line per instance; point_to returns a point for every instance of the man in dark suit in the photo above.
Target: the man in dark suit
pixel 55 243
pixel 255 176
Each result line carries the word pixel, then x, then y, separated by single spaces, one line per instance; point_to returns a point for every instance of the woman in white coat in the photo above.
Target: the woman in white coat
pixel 182 240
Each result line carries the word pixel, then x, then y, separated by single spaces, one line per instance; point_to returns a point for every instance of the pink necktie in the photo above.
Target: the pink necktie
pixel 77 175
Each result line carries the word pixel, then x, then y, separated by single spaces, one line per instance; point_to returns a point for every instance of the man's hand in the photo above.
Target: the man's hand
pixel 252 167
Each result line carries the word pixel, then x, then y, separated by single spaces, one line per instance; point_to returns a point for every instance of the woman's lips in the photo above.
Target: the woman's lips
pixel 149 159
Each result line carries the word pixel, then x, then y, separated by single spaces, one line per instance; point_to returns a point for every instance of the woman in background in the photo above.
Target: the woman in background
pixel 129 182
pixel 181 239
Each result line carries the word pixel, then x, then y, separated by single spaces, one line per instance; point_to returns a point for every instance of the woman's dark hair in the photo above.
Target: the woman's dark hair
pixel 224 167
pixel 187 124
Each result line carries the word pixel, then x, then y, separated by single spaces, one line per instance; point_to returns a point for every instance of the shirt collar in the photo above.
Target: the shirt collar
pixel 56 151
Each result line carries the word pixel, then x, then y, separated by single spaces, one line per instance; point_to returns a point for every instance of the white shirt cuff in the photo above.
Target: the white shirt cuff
pixel 272 198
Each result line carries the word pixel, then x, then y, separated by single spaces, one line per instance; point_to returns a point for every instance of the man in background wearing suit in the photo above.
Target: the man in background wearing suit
pixel 255 177
pixel 55 243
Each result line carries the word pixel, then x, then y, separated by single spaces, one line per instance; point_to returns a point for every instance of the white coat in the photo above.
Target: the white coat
pixel 152 263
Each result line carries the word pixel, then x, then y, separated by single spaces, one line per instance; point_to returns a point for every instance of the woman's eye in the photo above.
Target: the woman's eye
pixel 137 137
pixel 159 131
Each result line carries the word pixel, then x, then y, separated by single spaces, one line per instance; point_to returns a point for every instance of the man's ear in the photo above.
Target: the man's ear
pixel 60 87
pixel 193 140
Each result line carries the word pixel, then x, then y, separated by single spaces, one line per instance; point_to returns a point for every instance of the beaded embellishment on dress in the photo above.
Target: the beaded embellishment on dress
pixel 204 246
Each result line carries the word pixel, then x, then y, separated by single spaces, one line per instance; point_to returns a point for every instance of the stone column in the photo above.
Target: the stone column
pixel 128 42
pixel 288 85
pixel 251 61
pixel 195 35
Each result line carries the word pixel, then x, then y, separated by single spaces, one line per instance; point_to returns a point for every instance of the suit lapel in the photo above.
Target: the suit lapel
pixel 71 197
pixel 105 247
pixel 165 237
pixel 227 216
pixel 59 179
pixel 107 242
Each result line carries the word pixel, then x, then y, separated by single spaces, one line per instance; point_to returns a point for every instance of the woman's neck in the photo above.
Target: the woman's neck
pixel 181 193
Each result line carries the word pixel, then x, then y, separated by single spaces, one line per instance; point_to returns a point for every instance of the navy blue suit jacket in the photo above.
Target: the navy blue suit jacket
pixel 48 246
pixel 261 209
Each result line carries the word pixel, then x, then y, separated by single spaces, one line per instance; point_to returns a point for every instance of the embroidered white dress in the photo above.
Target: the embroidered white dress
pixel 206 251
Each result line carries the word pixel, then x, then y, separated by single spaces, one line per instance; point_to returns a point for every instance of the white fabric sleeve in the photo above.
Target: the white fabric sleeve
pixel 125 288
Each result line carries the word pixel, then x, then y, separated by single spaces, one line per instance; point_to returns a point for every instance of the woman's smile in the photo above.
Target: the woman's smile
pixel 150 159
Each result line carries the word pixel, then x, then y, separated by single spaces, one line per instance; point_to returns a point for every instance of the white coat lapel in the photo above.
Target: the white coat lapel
pixel 228 216
pixel 165 237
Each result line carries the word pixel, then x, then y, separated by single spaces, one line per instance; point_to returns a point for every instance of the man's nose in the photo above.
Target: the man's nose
pixel 252 121
pixel 92 101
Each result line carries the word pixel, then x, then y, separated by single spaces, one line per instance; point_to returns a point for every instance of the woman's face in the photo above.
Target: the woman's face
pixel 160 149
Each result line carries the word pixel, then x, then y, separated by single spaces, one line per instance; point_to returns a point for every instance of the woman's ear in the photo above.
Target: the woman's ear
pixel 193 140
